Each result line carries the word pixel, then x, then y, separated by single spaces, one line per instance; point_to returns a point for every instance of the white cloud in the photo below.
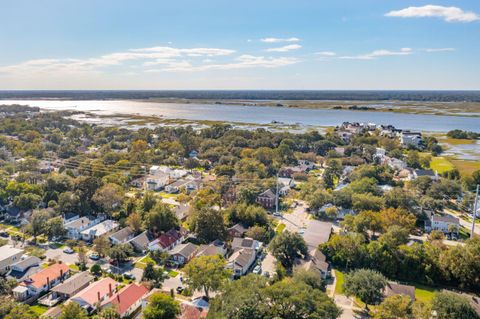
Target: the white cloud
pixel 279 40
pixel 326 53
pixel 449 14
pixel 242 62
pixel 285 48
pixel 439 50
pixel 378 54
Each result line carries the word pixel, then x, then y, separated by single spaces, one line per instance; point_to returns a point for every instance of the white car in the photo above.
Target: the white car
pixel 68 250
pixel 257 270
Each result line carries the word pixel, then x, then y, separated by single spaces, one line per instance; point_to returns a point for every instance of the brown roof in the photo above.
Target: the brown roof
pixel 74 283
pixel 191 312
pixel 393 288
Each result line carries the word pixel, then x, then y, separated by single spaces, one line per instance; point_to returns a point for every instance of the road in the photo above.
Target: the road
pixel 295 220
pixel 464 223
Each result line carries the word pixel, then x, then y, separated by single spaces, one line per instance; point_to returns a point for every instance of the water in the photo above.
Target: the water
pixel 260 115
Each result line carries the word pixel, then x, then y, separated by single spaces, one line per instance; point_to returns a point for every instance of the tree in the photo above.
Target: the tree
pixel 259 233
pixel 449 305
pixel 347 250
pixel 149 201
pixel 21 311
pixel 82 255
pixel 38 223
pixel 120 253
pixel 96 269
pixel 69 202
pixel 161 218
pixel 287 247
pixel 397 217
pixel 161 306
pixel 109 197
pixel 108 313
pixel 54 227
pixel 365 284
pixel 209 225
pixel 207 273
pixel 367 202
pixel 73 310
pixel 154 275
pixel 134 221
pixel 101 245
pixel 395 307
pixel 413 159
pixel 394 236
pixel 27 201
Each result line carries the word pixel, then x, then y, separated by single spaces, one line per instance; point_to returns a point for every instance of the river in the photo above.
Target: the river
pixel 259 114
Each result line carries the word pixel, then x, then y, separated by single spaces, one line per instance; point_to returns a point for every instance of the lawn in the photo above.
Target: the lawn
pixel 280 228
pixel 172 273
pixel 441 164
pixel 142 263
pixel 466 167
pixel 74 267
pixel 39 309
pixel 339 282
pixel 424 293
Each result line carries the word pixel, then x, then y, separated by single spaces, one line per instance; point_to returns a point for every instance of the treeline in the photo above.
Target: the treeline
pixel 431 96
pixel 459 134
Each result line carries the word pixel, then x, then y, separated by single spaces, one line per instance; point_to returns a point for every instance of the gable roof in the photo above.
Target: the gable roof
pixel 90 294
pixel 242 257
pixel 239 228
pixel 78 223
pixel 185 250
pixel 445 218
pixel 50 273
pixel 268 193
pixel 317 232
pixel 244 243
pixel 126 297
pixel 74 283
pixel 393 288
pixel 7 251
pixel 123 234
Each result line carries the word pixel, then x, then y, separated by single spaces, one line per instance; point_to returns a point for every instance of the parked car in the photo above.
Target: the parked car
pixel 68 250
pixel 94 256
pixel 179 289
pixel 4 234
pixel 128 275
pixel 257 270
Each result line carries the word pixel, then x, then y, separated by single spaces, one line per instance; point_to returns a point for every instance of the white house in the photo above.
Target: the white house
pixel 8 257
pixel 408 138
pixel 157 181
pixel 100 229
pixel 241 261
pixel 445 224
pixel 75 227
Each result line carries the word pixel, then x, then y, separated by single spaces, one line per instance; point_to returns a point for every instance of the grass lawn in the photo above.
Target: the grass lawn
pixel 424 293
pixel 74 267
pixel 39 309
pixel 339 282
pixel 466 167
pixel 456 141
pixel 463 233
pixel 172 273
pixel 441 164
pixel 142 263
pixel 280 228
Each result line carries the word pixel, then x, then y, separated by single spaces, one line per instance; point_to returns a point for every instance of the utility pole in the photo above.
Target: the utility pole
pixel 475 207
pixel 276 198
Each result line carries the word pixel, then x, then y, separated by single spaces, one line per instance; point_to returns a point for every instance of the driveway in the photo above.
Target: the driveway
pixel 295 220
pixel 268 264
pixel 58 254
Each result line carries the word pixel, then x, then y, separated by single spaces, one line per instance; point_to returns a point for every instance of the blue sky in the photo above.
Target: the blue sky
pixel 262 44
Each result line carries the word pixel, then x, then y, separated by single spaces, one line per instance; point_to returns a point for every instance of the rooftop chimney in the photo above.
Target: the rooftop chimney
pixel 61 275
pixel 48 282
pixel 98 295
pixel 110 289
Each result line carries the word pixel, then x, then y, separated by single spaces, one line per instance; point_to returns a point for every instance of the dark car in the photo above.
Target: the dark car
pixel 4 234
pixel 179 289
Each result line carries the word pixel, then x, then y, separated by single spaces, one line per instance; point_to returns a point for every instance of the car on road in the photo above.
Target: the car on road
pixel 257 270
pixel 68 250
pixel 4 234
pixel 94 256
pixel 277 214
pixel 301 231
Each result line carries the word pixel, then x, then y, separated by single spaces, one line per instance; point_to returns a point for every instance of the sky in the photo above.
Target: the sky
pixel 248 44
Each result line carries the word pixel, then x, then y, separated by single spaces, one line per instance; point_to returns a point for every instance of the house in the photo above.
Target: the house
pixel 316 233
pixel 396 164
pixel 182 211
pixel 67 289
pixel 122 236
pixel 248 243
pixel 195 309
pixel 74 228
pixel 241 261
pixel 237 230
pixel 9 256
pixel 176 186
pixel 444 223
pixel 193 154
pixel 157 181
pixel 73 285
pixel 141 242
pixel 315 261
pixel 408 138
pixel 183 253
pixel 425 172
pixel 267 199
pixel 96 293
pixel 285 185
pixel 99 230
pixel 290 171
pixel 127 300
pixel 41 282
pixel 340 151
pixel 168 240
pixel 393 288
pixel 216 247
pixel 24 268
pixel 306 163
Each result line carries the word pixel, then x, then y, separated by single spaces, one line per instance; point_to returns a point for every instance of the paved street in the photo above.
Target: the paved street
pixel 295 220
pixel 464 223
pixel 58 254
